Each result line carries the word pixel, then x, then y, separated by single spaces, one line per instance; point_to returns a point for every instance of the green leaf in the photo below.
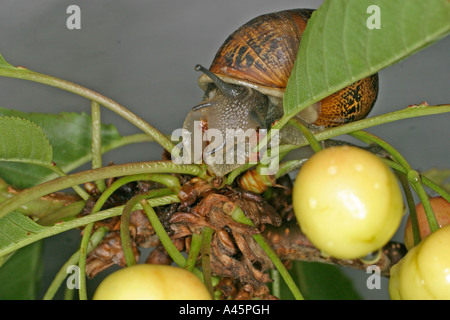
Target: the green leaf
pixel 21 275
pixel 70 137
pixel 23 141
pixel 4 64
pixel 338 48
pixel 15 227
pixel 320 281
pixel 17 230
pixel 47 209
pixel 20 270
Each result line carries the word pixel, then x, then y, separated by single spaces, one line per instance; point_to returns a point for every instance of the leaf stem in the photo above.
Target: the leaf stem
pixel 124 227
pixel 315 145
pixel 239 216
pixel 91 175
pixel 196 244
pixel 425 180
pixel 207 233
pixel 82 221
pixel 73 260
pixel 416 181
pixel 412 175
pixel 405 113
pixel 82 259
pixel 125 221
pixel 26 74
pixel 169 181
pixel 125 230
pixel 80 191
pixel 289 166
pixel 123 141
pixel 276 284
pixel 411 207
pixel 96 144
pixel 173 252
pixel 236 172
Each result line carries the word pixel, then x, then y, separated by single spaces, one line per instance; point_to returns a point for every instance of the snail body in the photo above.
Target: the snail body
pixel 246 81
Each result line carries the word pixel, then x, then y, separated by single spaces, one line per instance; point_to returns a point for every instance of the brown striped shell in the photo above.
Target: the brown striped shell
pixel 261 54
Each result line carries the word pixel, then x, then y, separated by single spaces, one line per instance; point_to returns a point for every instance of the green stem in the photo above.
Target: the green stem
pixel 91 175
pixel 207 233
pixel 410 112
pixel 416 181
pixel 167 180
pixel 289 166
pixel 125 237
pixel 82 221
pixel 433 186
pixel 371 138
pixel 173 252
pixel 283 150
pixel 236 172
pixel 404 113
pixel 196 244
pixel 80 191
pixel 126 140
pixel 276 284
pixel 82 259
pixel 26 74
pixel 436 188
pixel 68 294
pixel 239 216
pixel 73 260
pixel 124 228
pixel 170 181
pixel 125 222
pixel 96 145
pixel 412 175
pixel 411 207
pixel 315 145
pixel 123 141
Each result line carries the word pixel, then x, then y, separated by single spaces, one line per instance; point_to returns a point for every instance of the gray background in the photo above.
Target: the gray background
pixel 142 54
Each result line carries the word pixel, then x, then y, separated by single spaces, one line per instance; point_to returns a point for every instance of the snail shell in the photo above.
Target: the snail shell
pixel 261 53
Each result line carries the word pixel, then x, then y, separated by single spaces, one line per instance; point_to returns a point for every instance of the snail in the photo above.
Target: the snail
pixel 245 84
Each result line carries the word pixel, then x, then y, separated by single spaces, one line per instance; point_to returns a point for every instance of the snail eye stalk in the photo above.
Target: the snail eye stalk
pixel 201 106
pixel 229 90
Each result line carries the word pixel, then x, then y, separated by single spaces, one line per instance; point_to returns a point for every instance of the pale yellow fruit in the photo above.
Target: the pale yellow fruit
pixel 151 282
pixel 424 273
pixel 347 202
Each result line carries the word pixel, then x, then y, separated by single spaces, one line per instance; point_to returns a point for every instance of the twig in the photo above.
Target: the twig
pixel 291 244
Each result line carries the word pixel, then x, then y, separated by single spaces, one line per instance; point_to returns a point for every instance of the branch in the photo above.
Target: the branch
pixel 291 244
